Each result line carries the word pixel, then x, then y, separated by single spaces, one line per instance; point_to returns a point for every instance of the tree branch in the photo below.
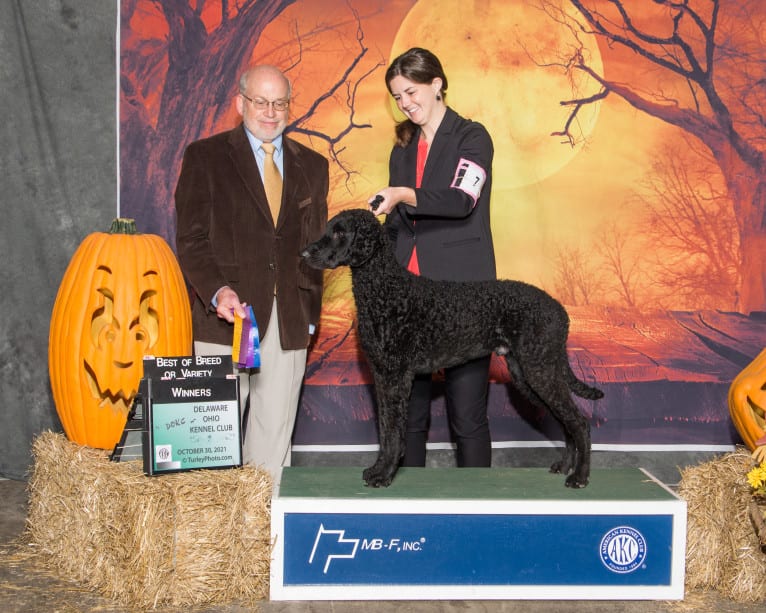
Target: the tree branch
pixel 351 92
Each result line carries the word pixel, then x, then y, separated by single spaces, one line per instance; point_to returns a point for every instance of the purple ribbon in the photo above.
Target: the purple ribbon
pixel 246 347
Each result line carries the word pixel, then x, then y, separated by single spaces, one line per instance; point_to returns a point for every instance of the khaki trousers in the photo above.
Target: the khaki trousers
pixel 274 391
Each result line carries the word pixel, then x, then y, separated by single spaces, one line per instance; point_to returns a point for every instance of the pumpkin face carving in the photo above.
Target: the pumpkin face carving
pixel 747 402
pixel 122 297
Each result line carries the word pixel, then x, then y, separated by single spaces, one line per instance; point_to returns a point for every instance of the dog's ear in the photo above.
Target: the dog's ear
pixel 364 236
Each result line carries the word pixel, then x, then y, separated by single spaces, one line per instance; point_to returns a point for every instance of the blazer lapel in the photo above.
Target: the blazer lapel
pixel 244 162
pixel 409 167
pixel 441 139
pixel 293 179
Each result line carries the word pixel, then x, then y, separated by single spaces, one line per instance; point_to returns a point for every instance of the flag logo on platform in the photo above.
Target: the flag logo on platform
pixel 623 549
pixel 348 546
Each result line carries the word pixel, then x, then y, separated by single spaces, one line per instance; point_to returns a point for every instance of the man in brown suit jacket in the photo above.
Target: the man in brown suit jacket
pixel 234 253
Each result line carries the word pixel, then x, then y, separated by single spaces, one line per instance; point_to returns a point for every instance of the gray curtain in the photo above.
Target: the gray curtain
pixel 57 185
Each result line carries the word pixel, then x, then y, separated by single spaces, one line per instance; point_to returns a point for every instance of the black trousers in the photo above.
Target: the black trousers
pixel 466 392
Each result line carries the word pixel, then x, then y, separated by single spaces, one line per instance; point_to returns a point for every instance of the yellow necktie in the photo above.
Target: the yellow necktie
pixel 272 181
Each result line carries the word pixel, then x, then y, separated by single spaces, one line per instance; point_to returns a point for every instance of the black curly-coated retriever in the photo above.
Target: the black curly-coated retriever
pixel 410 324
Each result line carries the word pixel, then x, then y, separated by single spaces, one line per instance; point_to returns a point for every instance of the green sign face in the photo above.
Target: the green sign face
pixel 195 424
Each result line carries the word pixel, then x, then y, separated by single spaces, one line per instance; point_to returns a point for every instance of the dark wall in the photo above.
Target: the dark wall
pixel 58 184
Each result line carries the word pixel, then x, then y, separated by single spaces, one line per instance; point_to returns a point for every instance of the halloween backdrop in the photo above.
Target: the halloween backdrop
pixel 628 178
pixel 628 181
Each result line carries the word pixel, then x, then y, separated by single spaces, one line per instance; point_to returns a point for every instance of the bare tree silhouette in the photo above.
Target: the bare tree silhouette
pixel 575 280
pixel 714 50
pixel 691 226
pixel 612 245
pixel 196 71
pixel 679 252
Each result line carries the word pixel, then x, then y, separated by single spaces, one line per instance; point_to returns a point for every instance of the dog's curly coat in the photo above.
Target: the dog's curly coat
pixel 410 324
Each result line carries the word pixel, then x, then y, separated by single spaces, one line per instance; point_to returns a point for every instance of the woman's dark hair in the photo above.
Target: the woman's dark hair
pixel 419 66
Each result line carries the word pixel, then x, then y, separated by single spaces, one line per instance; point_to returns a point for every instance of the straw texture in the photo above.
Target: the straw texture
pixel 722 549
pixel 176 539
pixel 204 536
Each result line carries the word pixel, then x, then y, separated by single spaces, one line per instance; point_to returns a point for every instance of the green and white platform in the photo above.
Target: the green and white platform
pixel 464 534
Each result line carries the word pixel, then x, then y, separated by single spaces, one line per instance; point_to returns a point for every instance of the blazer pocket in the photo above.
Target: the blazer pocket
pixel 304 282
pixel 462 242
pixel 307 276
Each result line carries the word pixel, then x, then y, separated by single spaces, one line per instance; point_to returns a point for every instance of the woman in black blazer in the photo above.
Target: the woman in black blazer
pixel 437 214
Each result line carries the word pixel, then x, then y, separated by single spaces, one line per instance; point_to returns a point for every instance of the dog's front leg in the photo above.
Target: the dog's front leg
pixel 393 393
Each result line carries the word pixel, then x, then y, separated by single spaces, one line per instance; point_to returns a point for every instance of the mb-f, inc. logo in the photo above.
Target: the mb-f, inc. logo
pixel 623 549
pixel 332 545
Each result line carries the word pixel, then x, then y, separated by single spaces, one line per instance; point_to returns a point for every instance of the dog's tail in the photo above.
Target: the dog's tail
pixel 583 390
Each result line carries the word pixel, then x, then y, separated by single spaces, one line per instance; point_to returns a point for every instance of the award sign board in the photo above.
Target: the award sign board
pixel 191 414
pixel 182 368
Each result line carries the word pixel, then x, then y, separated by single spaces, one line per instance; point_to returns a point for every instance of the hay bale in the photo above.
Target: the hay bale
pixel 176 539
pixel 722 548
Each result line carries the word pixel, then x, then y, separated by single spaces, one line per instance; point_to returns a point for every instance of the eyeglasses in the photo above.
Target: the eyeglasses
pixel 261 104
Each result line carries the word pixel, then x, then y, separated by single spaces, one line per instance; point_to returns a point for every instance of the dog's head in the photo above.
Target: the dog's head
pixel 351 238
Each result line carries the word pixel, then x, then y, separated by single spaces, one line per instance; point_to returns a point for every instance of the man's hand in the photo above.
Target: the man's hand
pixel 228 305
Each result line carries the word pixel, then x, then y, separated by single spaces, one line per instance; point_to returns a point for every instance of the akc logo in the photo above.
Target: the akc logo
pixel 623 549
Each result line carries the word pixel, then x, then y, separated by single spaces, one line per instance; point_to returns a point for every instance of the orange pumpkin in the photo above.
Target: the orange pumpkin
pixel 747 402
pixel 122 297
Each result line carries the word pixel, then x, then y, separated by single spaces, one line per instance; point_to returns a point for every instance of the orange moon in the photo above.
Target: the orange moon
pixel 490 51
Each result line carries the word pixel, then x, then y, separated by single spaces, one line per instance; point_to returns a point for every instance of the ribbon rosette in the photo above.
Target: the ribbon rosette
pixel 245 350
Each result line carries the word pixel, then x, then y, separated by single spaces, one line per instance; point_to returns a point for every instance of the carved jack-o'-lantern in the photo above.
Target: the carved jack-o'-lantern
pixel 122 297
pixel 747 402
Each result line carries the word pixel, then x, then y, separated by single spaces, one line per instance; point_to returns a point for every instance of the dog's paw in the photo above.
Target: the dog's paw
pixel 576 482
pixel 374 476
pixel 562 467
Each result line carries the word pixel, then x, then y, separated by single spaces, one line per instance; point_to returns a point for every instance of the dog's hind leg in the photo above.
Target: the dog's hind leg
pixel 519 380
pixel 392 393
pixel 544 386
pixel 575 460
pixel 549 383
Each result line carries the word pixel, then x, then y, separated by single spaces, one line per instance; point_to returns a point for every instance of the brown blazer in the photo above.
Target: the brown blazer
pixel 225 235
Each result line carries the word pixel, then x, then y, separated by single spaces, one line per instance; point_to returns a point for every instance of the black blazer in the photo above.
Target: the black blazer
pixel 225 235
pixel 451 229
